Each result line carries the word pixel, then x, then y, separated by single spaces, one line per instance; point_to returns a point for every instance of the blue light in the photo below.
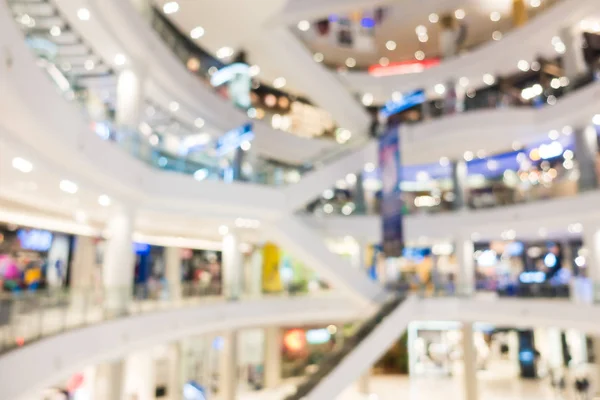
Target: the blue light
pixel 218 343
pixel 233 139
pixel 141 248
pixel 407 101
pixel 526 356
pixel 333 18
pixel 550 260
pixel 367 22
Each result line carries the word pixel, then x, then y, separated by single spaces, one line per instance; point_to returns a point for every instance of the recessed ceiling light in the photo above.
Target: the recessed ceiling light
pixel 350 62
pixel 104 200
pixel 83 14
pixel 199 123
pixel 224 52
pixel 497 35
pixel 390 45
pixel 68 186
pixel 523 65
pixel 89 65
pixel 489 79
pixel 440 88
pixel 535 3
pixel 254 70
pixel 384 61
pixel 280 82
pixel 171 7
pixel 397 96
pixel 197 32
pixel 421 30
pixel 495 16
pixel 55 30
pixel 419 55
pixel 434 18
pixel 304 25
pixel 22 165
pixel 318 57
pixel 120 59
pixel 423 38
pixel 174 106
pixel 367 99
pixel 460 13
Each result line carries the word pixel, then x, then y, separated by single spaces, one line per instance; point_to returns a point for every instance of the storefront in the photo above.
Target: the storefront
pixel 34 258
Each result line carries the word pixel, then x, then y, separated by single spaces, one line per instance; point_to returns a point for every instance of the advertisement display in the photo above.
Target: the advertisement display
pixel 405 102
pixel 391 203
pixel 238 80
pixel 271 277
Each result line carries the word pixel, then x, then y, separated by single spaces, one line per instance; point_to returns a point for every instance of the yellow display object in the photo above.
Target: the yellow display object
pixel 271 279
pixel 519 16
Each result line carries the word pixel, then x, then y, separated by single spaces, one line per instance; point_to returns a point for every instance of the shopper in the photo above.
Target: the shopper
pixel 582 387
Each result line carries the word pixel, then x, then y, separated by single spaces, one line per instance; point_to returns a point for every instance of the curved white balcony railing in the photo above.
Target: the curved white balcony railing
pixel 148 323
pixel 52 359
pixel 496 58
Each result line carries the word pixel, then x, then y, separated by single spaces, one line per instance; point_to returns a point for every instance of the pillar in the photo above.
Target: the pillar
pixel 118 265
pixel 130 98
pixel 463 251
pixel 555 348
pixel 470 362
pixel 82 269
pixel 359 195
pixel 228 367
pixel 450 103
pixel 595 379
pixel 173 271
pixel 108 382
pixel 232 266
pixel 363 384
pixel 273 343
pixel 255 276
pixel 591 242
pixel 573 60
pixel 586 151
pixel 459 184
pixel 140 376
pixel 175 381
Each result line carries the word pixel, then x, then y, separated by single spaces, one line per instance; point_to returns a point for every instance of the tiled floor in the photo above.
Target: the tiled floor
pixel 496 384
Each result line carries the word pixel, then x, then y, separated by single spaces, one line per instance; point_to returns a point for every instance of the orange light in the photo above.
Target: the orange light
pixel 534 155
pixel 294 340
pixel 20 341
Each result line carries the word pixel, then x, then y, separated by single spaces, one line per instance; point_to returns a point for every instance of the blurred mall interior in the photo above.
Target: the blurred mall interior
pixel 299 199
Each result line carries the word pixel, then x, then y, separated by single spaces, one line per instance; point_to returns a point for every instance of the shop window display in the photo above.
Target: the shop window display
pixel 32 259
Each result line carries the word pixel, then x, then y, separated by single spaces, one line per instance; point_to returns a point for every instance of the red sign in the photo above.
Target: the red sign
pixel 403 67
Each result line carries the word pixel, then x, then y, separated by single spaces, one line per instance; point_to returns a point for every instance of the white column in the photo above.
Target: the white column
pixel 586 152
pixel 555 350
pixel 108 382
pixel 459 182
pixel 470 362
pixel 591 242
pixel 232 266
pixel 573 60
pixel 465 279
pixel 118 266
pixel 255 274
pixel 228 367
pixel 140 378
pixel 273 343
pixel 175 382
pixel 363 384
pixel 82 270
pixel 130 98
pixel 173 271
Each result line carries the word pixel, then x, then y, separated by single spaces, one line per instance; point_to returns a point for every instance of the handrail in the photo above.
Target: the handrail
pixel 28 316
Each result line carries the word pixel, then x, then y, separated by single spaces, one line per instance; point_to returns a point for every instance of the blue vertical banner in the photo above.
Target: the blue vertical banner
pixel 391 196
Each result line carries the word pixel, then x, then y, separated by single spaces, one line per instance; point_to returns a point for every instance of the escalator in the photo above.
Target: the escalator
pixel 358 352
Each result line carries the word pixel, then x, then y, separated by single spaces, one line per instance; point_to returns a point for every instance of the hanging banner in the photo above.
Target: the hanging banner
pixel 391 199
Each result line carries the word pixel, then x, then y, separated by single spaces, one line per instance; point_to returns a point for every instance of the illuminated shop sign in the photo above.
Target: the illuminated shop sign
pixel 407 101
pixel 317 336
pixel 237 78
pixel 35 239
pixel 403 67
pixel 233 139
